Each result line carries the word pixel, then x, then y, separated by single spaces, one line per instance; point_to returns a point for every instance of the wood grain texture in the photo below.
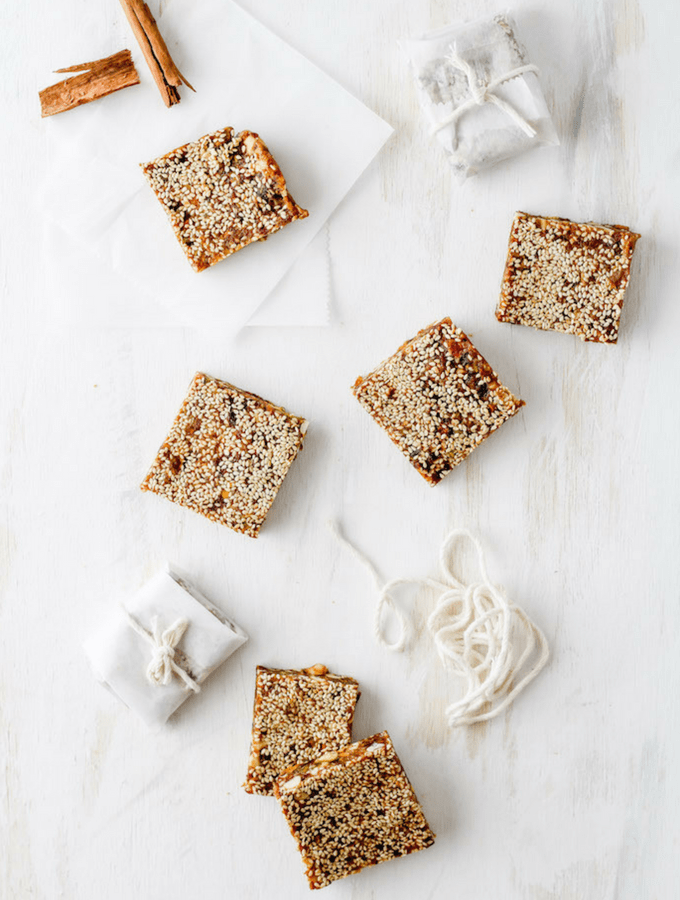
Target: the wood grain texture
pixel 575 792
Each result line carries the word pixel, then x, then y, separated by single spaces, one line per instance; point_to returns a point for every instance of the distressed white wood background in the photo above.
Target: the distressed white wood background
pixel 575 792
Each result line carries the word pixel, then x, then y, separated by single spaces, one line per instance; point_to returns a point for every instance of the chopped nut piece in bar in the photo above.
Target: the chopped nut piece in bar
pixel 226 455
pixel 297 715
pixel 437 398
pixel 221 192
pixel 351 809
pixel 566 276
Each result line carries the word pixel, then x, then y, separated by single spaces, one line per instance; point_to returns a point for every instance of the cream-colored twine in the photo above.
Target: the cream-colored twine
pixel 478 633
pixel 162 666
pixel 481 94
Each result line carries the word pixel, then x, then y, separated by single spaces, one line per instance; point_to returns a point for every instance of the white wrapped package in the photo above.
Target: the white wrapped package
pixel 157 649
pixel 481 97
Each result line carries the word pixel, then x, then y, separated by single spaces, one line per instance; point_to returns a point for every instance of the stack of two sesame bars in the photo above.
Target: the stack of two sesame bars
pixel 347 805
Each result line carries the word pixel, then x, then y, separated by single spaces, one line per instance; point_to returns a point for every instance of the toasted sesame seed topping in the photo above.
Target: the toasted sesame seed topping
pixel 297 716
pixel 566 276
pixel 353 811
pixel 226 455
pixel 437 398
pixel 221 192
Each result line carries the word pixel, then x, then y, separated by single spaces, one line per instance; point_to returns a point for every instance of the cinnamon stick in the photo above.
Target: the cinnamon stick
pixel 165 73
pixel 98 79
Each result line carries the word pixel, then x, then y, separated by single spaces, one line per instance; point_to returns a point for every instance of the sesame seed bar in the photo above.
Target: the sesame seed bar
pixel 437 398
pixel 297 716
pixel 352 808
pixel 221 192
pixel 226 454
pixel 566 276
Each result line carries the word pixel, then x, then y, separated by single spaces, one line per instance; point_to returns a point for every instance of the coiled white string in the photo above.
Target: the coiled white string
pixel 481 94
pixel 162 666
pixel 478 634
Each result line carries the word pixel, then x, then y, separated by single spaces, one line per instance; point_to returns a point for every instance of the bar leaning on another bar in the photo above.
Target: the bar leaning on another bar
pixel 437 398
pixel 297 715
pixel 221 193
pixel 226 454
pixel 352 808
pixel 566 276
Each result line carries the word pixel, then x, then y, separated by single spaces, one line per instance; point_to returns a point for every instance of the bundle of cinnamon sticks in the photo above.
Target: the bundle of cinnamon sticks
pixel 105 76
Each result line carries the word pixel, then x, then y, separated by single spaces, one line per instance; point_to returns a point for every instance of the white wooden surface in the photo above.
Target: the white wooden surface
pixel 575 792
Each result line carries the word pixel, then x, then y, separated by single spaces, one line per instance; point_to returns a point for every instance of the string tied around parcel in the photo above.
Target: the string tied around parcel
pixel 478 633
pixel 485 93
pixel 163 664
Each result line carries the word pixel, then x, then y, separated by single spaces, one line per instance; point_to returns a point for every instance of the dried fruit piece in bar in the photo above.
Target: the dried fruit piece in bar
pixel 226 455
pixel 221 193
pixel 352 808
pixel 566 276
pixel 437 398
pixel 297 716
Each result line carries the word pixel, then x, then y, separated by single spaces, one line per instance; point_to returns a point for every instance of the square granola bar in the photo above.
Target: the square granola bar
pixel 226 454
pixel 566 276
pixel 297 716
pixel 352 808
pixel 221 192
pixel 437 398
